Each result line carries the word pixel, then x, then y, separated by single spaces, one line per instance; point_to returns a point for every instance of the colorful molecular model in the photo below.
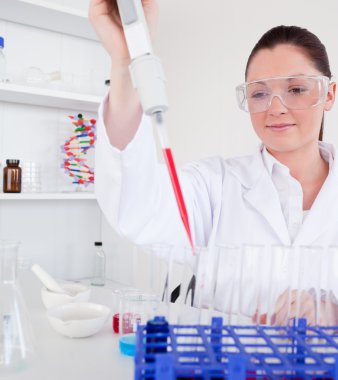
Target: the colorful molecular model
pixel 75 150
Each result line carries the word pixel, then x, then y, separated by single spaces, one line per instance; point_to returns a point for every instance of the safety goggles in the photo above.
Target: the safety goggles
pixel 297 92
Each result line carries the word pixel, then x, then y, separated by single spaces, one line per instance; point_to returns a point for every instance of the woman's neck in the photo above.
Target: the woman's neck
pixel 308 167
pixel 305 164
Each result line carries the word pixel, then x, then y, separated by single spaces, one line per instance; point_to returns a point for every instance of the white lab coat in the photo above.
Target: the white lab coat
pixel 231 201
pixel 228 201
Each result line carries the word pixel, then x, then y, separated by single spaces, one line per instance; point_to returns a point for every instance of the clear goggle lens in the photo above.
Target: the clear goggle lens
pixel 295 92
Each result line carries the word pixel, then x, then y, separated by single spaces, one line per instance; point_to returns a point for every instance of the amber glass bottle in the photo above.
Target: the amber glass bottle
pixel 12 177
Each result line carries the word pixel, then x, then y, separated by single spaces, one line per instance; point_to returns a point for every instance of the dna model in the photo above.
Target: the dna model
pixel 75 150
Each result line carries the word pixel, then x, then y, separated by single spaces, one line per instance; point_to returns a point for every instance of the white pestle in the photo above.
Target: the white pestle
pixel 49 282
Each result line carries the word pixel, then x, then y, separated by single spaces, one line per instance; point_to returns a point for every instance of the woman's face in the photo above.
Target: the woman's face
pixel 282 129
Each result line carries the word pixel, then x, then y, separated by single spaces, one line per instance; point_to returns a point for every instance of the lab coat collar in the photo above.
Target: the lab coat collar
pixel 261 194
pixel 249 169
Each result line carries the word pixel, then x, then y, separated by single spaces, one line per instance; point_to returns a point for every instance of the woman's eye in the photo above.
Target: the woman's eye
pixel 297 90
pixel 259 95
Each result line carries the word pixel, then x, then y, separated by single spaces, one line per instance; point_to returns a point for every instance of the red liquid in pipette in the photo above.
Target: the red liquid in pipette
pixel 178 192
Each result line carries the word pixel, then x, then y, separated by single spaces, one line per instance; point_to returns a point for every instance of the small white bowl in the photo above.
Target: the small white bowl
pixel 76 292
pixel 78 320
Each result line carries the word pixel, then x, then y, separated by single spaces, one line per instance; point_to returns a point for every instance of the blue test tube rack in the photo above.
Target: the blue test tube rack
pixel 217 351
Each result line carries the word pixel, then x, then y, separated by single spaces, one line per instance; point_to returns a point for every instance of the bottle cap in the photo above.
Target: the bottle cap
pixel 2 42
pixel 157 324
pixel 12 162
pixel 98 244
pixel 157 335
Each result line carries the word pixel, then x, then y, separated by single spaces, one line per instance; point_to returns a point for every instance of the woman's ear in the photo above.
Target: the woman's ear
pixel 331 96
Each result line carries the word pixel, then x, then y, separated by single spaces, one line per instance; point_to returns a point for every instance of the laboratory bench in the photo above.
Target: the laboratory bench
pixel 61 358
pixel 98 357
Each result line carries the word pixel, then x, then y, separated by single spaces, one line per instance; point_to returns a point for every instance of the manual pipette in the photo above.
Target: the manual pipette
pixel 148 78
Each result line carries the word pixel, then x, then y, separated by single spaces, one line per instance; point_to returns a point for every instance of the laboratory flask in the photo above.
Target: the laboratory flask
pixel 16 339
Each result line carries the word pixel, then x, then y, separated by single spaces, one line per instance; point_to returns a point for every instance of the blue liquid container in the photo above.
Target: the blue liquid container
pixel 128 344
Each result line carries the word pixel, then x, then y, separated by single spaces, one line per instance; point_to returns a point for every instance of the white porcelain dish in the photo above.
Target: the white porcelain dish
pixel 78 320
pixel 76 292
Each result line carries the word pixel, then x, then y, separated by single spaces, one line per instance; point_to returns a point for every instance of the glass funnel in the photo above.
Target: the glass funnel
pixel 16 336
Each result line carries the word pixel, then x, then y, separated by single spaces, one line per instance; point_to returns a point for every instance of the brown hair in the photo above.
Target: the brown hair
pixel 299 37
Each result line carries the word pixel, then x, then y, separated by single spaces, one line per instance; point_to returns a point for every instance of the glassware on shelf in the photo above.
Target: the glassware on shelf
pixel 91 82
pixel 16 335
pixel 31 177
pixel 34 76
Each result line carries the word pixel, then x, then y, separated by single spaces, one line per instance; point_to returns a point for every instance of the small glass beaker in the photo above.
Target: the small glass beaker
pixel 16 335
pixel 31 177
pixel 135 308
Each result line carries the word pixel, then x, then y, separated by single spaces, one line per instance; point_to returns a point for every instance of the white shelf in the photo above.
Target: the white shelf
pixel 42 14
pixel 37 96
pixel 47 196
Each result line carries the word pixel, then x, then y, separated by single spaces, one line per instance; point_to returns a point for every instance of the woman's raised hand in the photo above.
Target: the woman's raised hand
pixel 103 15
pixel 123 115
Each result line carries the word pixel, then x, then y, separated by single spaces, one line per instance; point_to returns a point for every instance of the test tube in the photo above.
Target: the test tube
pixel 161 281
pixel 206 281
pixel 329 287
pixel 304 298
pixel 154 273
pixel 252 294
pixel 188 312
pixel 227 279
pixel 278 308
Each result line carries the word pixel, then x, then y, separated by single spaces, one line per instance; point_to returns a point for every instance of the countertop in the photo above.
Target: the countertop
pixel 61 358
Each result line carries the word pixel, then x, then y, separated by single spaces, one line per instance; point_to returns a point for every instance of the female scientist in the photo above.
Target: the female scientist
pixel 284 194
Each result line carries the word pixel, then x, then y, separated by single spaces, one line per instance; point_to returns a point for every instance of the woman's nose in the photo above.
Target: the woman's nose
pixel 276 105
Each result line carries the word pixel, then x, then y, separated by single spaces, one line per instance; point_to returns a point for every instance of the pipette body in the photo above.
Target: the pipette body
pixel 148 79
pixel 145 68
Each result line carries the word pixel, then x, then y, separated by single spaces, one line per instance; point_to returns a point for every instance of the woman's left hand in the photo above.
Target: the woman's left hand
pixel 303 305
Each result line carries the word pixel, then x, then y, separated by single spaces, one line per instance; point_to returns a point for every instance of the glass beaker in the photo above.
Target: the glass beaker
pixel 135 308
pixel 16 335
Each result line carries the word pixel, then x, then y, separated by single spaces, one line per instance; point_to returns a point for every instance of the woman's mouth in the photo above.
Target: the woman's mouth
pixel 280 127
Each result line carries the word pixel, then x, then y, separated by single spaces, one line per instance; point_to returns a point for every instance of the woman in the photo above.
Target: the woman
pixel 286 193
